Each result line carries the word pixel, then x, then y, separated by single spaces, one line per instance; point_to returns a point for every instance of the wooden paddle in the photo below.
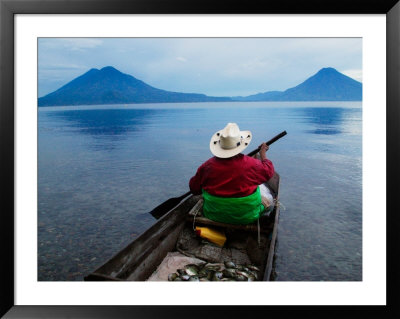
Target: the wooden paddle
pixel 165 207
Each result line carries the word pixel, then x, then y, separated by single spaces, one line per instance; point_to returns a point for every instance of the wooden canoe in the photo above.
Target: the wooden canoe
pixel 139 260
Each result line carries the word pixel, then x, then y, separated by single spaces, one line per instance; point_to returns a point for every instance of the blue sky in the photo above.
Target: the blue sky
pixel 213 66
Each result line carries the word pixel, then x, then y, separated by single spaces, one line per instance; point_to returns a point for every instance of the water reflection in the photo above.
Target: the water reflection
pixel 112 123
pixel 108 127
pixel 326 121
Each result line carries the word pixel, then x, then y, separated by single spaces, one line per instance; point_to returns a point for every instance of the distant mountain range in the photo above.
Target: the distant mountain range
pixel 110 86
pixel 326 85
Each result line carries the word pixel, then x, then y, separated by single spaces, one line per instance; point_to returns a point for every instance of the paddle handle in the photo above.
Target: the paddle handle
pixel 272 140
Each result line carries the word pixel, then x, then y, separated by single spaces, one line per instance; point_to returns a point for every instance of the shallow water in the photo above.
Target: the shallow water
pixel 102 168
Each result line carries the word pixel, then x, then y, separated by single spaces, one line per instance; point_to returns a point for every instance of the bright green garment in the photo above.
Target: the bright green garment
pixel 232 210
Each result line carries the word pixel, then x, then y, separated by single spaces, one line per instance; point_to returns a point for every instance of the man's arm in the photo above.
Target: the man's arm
pixel 268 169
pixel 263 151
pixel 195 184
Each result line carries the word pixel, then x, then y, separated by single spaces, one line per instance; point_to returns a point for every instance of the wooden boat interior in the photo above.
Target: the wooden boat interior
pixel 245 243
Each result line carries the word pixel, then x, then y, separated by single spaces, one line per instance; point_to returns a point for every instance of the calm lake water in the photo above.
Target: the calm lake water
pixel 102 168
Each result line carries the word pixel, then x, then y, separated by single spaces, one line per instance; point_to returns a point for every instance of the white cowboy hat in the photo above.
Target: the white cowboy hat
pixel 229 141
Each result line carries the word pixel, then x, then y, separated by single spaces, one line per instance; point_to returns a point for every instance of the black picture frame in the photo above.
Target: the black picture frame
pixel 8 9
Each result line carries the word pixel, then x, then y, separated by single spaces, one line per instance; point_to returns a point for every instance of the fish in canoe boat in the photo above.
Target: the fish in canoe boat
pixel 247 253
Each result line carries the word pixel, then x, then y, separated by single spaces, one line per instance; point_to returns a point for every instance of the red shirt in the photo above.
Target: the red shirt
pixel 237 176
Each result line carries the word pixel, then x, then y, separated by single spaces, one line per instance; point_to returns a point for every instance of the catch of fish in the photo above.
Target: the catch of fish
pixel 227 271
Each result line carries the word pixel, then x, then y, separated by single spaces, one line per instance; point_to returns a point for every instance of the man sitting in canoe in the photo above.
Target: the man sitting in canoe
pixel 231 183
